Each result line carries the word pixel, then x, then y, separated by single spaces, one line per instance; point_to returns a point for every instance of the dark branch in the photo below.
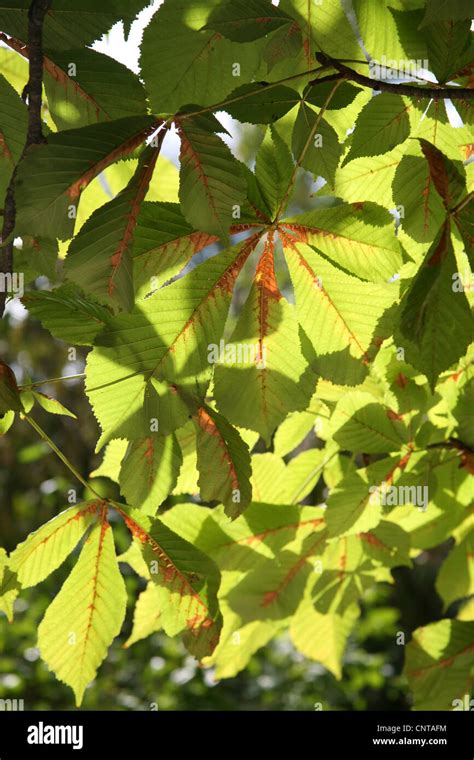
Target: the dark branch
pixel 413 91
pixel 34 135
pixel 328 78
pixel 452 443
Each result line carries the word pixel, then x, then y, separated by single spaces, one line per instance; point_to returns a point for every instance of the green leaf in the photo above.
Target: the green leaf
pixel 438 665
pixel 324 26
pixel 408 15
pixel 269 478
pixel 382 124
pixel 295 428
pixel 353 506
pixel 315 144
pixel 246 20
pixel 51 177
pixel 86 615
pixel 9 586
pixel 275 587
pixel 212 189
pixel 465 109
pixel 446 177
pixel 67 314
pixel 361 424
pixel 358 237
pixel 384 33
pixel 432 124
pixel 415 194
pixel 47 548
pixel 322 638
pixel 435 320
pixel 254 106
pixel 274 169
pixel 187 581
pixel 112 460
pixel 133 556
pixel 449 47
pixel 349 566
pixel 285 42
pixel 303 473
pixel 84 87
pixel 99 258
pixel 52 405
pixel 146 615
pixel 223 462
pixel 13 124
pixel 239 642
pixel 341 315
pixel 446 10
pixel 456 577
pixel 36 257
pixel 369 179
pixel 280 483
pixel 445 510
pixel 257 379
pixel 6 421
pixel 189 75
pixel 134 374
pixel 9 396
pixel 464 413
pixel 149 471
pixel 188 477
pixel 318 93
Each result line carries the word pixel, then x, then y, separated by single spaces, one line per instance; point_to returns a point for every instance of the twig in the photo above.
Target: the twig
pixel 436 92
pixel 34 135
pixel 51 380
pixel 43 434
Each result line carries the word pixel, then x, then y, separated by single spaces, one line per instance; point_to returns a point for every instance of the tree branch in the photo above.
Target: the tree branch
pixel 413 91
pixel 34 135
pixel 451 443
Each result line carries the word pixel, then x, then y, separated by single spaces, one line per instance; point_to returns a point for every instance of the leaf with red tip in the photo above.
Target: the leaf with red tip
pixel 87 614
pixel 149 471
pixel 223 461
pixel 99 258
pixel 187 582
pixel 212 189
pixel 45 550
pixel 51 177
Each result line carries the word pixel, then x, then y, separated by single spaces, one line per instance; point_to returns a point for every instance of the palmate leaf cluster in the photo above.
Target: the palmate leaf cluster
pixel 347 371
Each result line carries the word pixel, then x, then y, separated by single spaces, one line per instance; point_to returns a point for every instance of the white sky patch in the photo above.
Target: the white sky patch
pixel 127 51
pixel 16 311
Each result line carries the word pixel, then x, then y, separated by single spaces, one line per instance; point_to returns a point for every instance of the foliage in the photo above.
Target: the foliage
pixel 282 450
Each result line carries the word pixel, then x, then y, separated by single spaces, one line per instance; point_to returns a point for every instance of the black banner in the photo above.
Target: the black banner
pixel 85 734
